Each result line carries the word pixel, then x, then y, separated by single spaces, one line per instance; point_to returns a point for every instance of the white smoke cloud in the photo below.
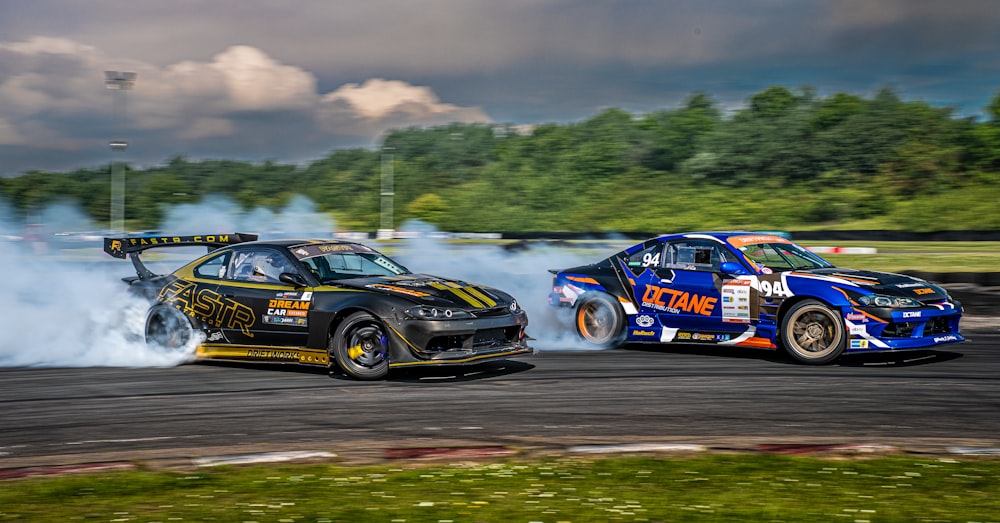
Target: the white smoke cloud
pixel 63 311
pixel 522 273
pixel 69 307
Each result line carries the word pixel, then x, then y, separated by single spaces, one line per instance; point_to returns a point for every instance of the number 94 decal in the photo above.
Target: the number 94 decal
pixel 775 288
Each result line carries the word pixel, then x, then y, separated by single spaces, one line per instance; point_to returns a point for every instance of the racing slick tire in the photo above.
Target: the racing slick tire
pixel 600 320
pixel 812 332
pixel 360 347
pixel 168 327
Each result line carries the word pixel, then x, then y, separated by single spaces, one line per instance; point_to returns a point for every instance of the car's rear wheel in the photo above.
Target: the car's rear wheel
pixel 600 320
pixel 360 347
pixel 812 332
pixel 167 327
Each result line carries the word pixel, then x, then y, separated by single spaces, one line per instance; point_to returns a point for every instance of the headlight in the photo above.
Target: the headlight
pixel 892 302
pixel 423 312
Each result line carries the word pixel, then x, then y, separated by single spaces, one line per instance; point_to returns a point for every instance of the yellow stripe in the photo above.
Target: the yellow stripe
pixel 479 294
pixel 457 292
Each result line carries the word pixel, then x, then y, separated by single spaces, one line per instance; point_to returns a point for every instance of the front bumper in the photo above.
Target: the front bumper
pixel 881 329
pixel 457 342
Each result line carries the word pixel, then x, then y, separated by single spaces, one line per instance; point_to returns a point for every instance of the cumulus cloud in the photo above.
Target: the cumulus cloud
pixel 52 98
pixel 380 103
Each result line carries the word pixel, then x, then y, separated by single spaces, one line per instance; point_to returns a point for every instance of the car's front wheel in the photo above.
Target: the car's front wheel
pixel 600 320
pixel 360 347
pixel 167 327
pixel 812 332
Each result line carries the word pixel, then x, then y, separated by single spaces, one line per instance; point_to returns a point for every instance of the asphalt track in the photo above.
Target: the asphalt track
pixel 550 402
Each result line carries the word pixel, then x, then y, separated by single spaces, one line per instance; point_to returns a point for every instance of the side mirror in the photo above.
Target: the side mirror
pixel 292 278
pixel 734 268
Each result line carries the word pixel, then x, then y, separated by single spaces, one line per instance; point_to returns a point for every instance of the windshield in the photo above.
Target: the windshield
pixel 783 256
pixel 342 261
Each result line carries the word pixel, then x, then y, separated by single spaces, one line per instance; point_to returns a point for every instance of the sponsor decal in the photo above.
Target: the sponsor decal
pixel 295 308
pixel 671 300
pixel 858 329
pixel 752 239
pixel 644 321
pixel 335 248
pixel 722 337
pixel 684 335
pixel 294 295
pixel 167 240
pixel 856 316
pixel 287 312
pixel 215 336
pixel 942 339
pixel 207 305
pixel 289 304
pixel 643 333
pixel 736 301
pixel 923 291
pixel 698 336
pixel 859 344
pixel 273 354
pixel 284 320
pixel 909 285
pixel 912 314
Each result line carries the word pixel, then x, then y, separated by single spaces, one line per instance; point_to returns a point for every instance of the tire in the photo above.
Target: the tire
pixel 812 332
pixel 168 328
pixel 600 320
pixel 360 347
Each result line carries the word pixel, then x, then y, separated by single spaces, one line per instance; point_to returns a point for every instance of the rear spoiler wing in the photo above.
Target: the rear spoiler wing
pixel 122 247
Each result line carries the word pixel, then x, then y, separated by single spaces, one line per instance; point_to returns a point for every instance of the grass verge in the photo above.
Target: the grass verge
pixel 713 487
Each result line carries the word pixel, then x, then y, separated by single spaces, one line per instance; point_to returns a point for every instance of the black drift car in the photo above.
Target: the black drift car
pixel 318 302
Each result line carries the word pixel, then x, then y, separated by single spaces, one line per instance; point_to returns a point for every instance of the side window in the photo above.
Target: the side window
pixel 695 255
pixel 214 267
pixel 649 257
pixel 258 266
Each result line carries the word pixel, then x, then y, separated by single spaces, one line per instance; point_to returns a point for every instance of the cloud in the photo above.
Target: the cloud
pixel 52 99
pixel 379 103
pixel 292 80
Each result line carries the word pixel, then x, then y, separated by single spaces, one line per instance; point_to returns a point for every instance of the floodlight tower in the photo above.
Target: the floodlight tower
pixel 387 194
pixel 119 82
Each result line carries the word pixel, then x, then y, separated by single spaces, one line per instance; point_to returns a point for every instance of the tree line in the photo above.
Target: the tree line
pixel 788 159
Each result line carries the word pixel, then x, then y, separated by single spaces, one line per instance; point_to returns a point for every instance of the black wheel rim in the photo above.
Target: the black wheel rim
pixel 366 346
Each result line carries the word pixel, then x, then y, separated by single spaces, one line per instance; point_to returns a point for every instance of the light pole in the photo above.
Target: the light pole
pixel 387 194
pixel 119 82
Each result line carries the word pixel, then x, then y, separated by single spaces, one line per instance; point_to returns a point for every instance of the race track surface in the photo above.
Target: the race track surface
pixel 722 397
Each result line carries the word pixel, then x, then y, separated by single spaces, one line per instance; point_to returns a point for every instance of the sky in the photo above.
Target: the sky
pixel 294 80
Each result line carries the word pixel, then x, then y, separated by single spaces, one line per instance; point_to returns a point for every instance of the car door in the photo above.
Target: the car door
pixel 280 311
pixel 685 291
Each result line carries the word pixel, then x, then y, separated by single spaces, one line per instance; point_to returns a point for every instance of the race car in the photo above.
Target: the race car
pixel 318 302
pixel 751 290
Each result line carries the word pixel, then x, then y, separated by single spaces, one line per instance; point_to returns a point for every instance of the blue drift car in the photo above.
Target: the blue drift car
pixel 751 290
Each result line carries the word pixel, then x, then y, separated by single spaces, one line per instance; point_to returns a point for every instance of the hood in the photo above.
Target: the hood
pixel 433 290
pixel 887 283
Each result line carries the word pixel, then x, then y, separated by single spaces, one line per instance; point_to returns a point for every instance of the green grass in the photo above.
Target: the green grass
pixel 712 487
pixel 923 256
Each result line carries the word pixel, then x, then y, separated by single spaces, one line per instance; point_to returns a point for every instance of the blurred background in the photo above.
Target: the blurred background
pixel 475 117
